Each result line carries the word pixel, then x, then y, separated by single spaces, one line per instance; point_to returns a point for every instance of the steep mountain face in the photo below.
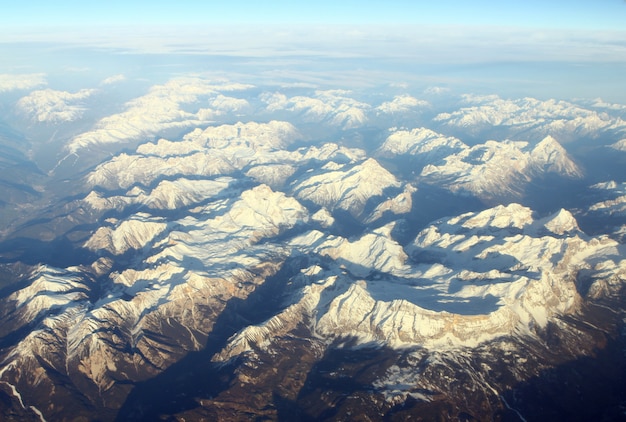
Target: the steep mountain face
pixel 548 156
pixel 244 271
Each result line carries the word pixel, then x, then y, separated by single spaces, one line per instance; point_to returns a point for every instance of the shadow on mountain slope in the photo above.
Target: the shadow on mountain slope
pixel 60 252
pixel 590 388
pixel 176 388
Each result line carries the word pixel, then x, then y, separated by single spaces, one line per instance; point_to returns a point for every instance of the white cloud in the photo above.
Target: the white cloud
pixel 426 43
pixel 160 109
pixel 10 82
pixel 54 106
pixel 519 61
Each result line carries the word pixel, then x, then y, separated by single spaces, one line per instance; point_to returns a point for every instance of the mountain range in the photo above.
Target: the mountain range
pixel 217 251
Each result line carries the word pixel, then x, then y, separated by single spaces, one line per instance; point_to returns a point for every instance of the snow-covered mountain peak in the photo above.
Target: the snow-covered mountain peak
pixel 500 217
pixel 375 251
pixel 529 115
pixel 347 187
pixel 170 195
pixel 401 104
pixel 610 203
pixel 420 141
pixel 619 145
pixel 125 170
pixel 610 185
pixel 549 156
pixel 216 150
pixel 500 169
pixel 562 222
pixel 271 135
pixel 132 233
pixel 323 217
pixel 399 204
pixel 259 212
pixel 50 287
pixel 166 148
pixel 175 104
pixel 334 152
pixel 52 106
pixel 332 166
pixel 548 143
pixel 274 207
pixel 371 165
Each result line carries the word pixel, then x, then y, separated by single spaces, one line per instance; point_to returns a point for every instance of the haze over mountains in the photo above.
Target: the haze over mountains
pixel 201 247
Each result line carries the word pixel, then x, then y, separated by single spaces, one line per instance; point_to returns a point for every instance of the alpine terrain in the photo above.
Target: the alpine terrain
pixel 204 249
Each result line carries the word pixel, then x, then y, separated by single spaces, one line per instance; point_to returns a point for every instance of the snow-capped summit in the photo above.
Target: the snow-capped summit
pixel 347 187
pixel 619 145
pixel 423 143
pixel 562 222
pixel 548 156
pixel 133 233
pixel 375 251
pixel 167 195
pixel 512 216
pixel 401 104
pixel 213 151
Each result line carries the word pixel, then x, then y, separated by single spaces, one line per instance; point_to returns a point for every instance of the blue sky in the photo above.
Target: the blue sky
pixel 539 47
pixel 577 14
